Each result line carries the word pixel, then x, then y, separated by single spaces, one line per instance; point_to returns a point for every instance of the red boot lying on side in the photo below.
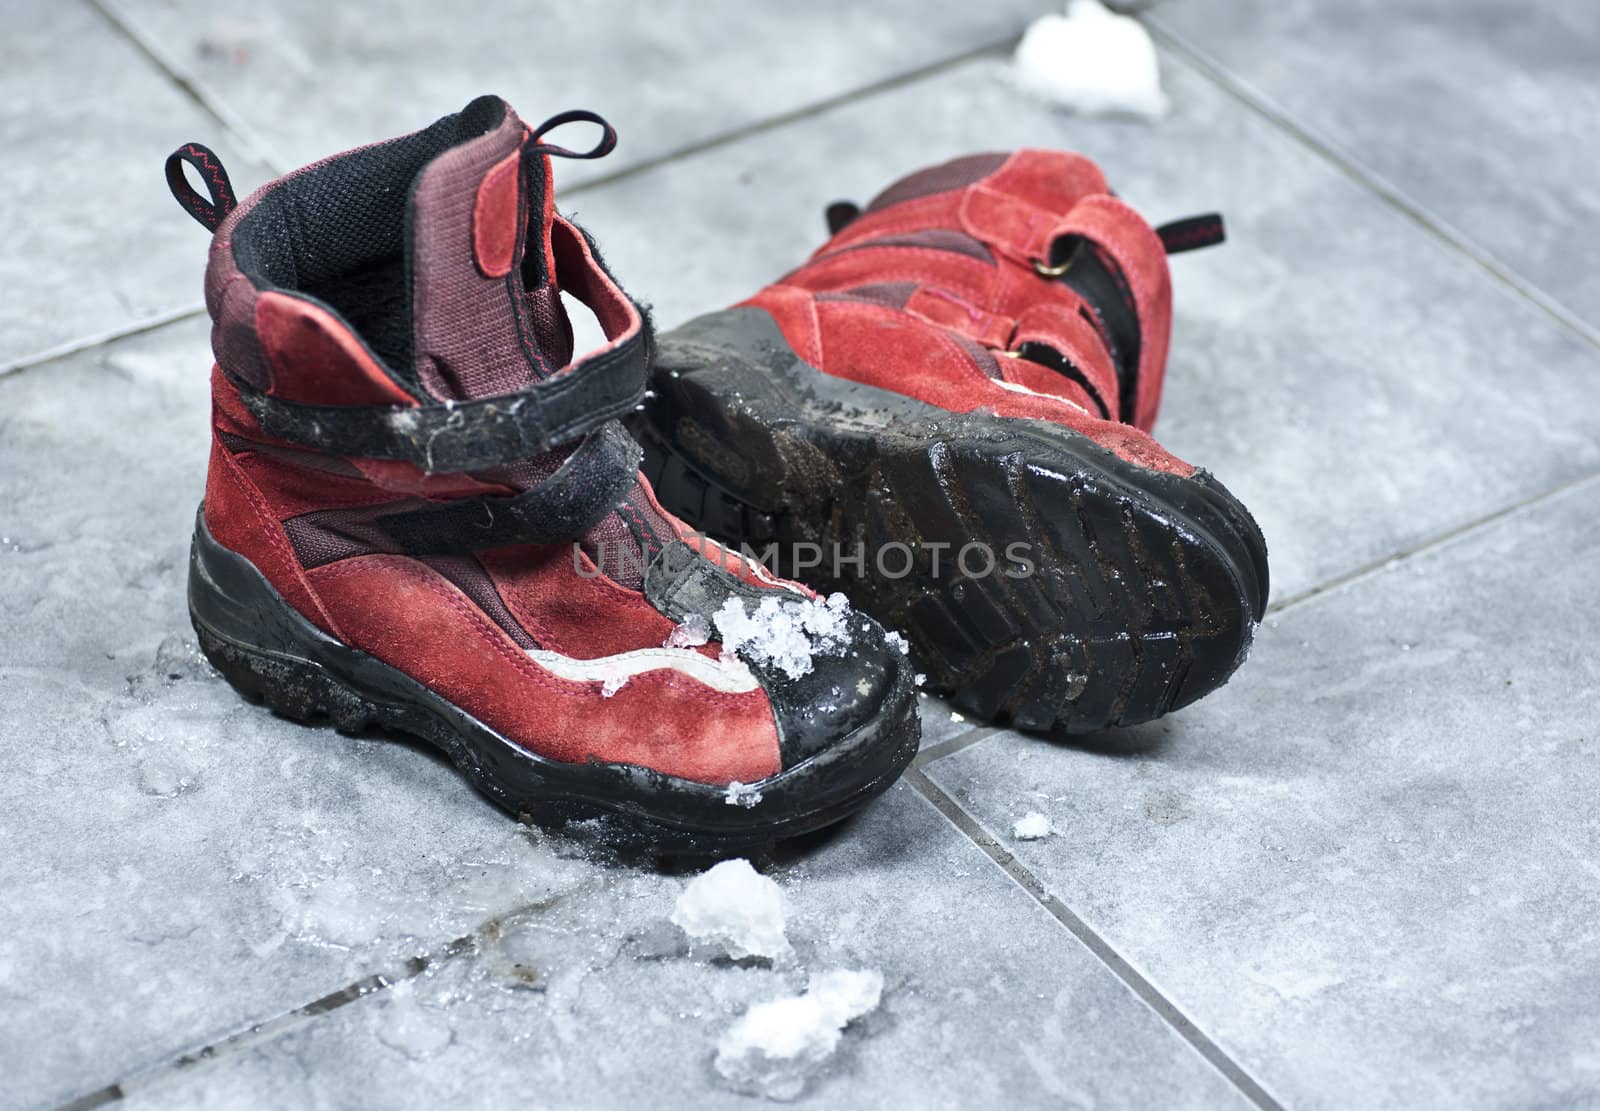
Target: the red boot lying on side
pixel 945 413
pixel 422 512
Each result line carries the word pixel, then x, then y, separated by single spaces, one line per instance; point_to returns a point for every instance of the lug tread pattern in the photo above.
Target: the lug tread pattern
pixel 1132 612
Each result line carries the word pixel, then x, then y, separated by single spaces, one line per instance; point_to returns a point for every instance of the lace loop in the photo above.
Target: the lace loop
pixel 608 135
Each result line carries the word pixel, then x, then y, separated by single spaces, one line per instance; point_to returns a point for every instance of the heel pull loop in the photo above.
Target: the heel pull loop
pixel 608 136
pixel 1192 233
pixel 840 214
pixel 210 214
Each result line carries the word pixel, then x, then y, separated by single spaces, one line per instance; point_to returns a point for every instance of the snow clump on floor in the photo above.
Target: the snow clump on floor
pixel 784 632
pixel 1032 826
pixel 774 1046
pixel 737 908
pixel 1091 60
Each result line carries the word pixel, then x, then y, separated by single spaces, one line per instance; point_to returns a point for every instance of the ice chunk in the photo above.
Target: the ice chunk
pixel 1092 60
pixel 785 632
pixel 412 1029
pixel 775 1046
pixel 895 640
pixel 736 907
pixel 660 940
pixel 163 778
pixel 612 685
pixel 742 794
pixel 1032 826
pixel 692 633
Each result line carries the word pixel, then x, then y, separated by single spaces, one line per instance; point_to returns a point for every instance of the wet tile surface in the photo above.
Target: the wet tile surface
pixel 93 241
pixel 1485 114
pixel 308 78
pixel 987 1002
pixel 191 865
pixel 1368 867
pixel 175 861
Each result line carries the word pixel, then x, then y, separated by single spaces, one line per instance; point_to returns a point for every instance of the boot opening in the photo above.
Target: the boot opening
pixel 336 232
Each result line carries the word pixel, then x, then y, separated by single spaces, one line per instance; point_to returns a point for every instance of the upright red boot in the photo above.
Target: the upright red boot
pixel 945 413
pixel 423 514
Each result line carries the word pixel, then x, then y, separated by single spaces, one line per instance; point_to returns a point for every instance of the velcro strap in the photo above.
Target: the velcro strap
pixel 588 485
pixel 1006 223
pixel 938 306
pixel 1133 245
pixel 469 435
pixel 1078 345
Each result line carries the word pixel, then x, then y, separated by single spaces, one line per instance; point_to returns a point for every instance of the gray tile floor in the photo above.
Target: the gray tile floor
pixel 1366 873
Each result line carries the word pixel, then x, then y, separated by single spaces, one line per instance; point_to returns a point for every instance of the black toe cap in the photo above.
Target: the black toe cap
pixel 843 691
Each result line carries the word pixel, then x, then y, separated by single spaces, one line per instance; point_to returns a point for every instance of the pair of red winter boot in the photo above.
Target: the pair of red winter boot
pixel 424 512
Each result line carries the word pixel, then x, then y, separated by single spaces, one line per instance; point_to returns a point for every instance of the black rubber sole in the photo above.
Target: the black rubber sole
pixel 267 651
pixel 1146 587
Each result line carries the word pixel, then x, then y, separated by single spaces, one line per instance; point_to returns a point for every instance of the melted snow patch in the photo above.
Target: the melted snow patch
pixel 1032 826
pixel 1091 60
pixel 692 633
pixel 775 1046
pixel 734 906
pixel 785 632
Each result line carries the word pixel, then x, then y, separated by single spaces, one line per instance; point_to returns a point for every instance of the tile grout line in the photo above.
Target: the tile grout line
pixel 969 827
pixel 251 147
pixel 1352 167
pixel 272 1028
pixel 803 112
pixel 255 1034
pixel 1197 59
pixel 100 339
pixel 1118 965
pixel 945 804
pixel 1433 543
pixel 267 1030
pixel 237 130
pixel 214 106
pixel 953 745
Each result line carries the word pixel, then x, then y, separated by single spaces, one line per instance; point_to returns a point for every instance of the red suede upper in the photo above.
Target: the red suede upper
pixel 399 610
pixel 462 625
pixel 931 290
